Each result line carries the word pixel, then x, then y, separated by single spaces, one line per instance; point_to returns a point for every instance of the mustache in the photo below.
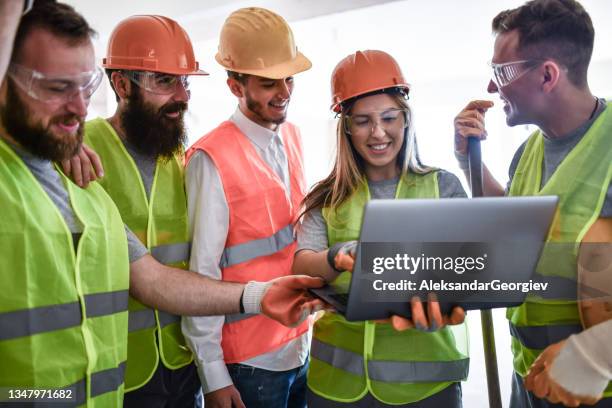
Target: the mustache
pixel 70 117
pixel 172 107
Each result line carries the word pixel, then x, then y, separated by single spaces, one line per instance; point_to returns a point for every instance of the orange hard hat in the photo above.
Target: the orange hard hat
pixel 259 42
pixel 151 43
pixel 364 72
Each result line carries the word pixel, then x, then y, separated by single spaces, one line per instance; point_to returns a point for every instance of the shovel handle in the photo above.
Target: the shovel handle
pixel 486 317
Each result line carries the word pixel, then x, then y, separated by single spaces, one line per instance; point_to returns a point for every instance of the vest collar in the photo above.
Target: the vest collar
pixel 259 135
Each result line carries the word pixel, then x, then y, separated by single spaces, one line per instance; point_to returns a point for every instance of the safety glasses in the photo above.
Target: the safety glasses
pixel 506 73
pixel 55 89
pixel 390 120
pixel 157 82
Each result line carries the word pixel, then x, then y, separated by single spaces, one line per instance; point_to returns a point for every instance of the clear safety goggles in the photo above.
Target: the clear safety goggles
pixel 55 89
pixel 506 73
pixel 390 120
pixel 158 82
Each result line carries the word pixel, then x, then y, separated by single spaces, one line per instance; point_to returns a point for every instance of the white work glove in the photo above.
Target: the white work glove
pixel 285 299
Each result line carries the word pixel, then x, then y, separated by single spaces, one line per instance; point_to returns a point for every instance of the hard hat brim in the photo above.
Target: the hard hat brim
pixel 137 65
pixel 279 71
pixel 336 105
pixel 198 72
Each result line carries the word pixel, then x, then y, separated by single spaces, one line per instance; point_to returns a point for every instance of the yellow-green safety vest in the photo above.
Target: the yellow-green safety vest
pixel 160 222
pixel 350 359
pixel 63 313
pixel 581 181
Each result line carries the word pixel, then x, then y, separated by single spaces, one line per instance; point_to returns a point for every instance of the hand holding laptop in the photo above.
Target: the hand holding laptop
pixel 432 321
pixel 341 257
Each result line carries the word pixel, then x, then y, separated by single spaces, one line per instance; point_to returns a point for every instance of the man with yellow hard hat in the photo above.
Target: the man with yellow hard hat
pixel 245 181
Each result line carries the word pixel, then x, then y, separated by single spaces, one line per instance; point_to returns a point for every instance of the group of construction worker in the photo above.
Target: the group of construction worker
pixel 180 277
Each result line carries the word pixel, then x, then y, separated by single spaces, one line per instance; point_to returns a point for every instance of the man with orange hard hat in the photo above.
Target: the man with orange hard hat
pixel 148 61
pixel 245 181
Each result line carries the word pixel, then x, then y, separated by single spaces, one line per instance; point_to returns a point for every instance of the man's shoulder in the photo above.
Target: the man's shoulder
pixel 222 130
pixel 96 124
pixel 98 130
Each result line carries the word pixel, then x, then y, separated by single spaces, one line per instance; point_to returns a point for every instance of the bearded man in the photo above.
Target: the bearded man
pixel 141 149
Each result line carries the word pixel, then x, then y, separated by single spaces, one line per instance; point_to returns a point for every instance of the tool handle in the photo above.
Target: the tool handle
pixel 486 317
pixel 475 166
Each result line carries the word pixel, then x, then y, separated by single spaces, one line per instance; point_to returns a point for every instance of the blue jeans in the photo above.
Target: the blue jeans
pixel 270 389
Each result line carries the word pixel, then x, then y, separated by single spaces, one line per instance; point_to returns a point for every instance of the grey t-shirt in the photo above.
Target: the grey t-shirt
pixel 312 233
pixel 555 150
pixel 53 185
pixel 146 166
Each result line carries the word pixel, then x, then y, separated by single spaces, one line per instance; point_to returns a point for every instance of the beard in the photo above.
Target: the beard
pixel 33 137
pixel 258 110
pixel 150 131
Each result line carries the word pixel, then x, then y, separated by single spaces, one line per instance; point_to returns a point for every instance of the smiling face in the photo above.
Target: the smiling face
pixel 377 131
pixel 154 124
pixel 519 96
pixel 50 130
pixel 265 101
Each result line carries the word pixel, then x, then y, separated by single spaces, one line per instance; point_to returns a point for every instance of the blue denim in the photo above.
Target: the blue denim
pixel 270 389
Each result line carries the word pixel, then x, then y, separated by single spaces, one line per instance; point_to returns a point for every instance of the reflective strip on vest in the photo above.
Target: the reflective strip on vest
pixel 107 380
pixel 102 304
pixel 141 319
pixel 418 371
pixel 171 253
pixel 337 357
pixel 258 247
pixel 233 318
pixel 391 371
pixel 166 319
pixel 57 317
pixel 101 383
pixel 540 337
pixel 559 288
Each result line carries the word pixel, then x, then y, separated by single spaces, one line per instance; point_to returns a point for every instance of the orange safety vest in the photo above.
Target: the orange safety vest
pixel 260 242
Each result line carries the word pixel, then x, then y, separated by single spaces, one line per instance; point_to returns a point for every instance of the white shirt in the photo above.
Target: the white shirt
pixel 209 223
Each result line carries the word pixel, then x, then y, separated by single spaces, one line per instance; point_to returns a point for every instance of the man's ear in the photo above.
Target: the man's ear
pixel 551 75
pixel 121 84
pixel 236 87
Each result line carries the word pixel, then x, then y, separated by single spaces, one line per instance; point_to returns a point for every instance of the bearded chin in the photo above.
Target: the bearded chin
pixel 33 137
pixel 150 132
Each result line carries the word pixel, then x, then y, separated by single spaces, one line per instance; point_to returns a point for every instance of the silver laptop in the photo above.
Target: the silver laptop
pixel 476 253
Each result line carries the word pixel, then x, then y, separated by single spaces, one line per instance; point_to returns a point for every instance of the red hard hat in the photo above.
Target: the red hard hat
pixel 364 72
pixel 151 43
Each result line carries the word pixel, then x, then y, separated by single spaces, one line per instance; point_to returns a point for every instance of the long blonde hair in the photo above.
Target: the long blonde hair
pixel 349 167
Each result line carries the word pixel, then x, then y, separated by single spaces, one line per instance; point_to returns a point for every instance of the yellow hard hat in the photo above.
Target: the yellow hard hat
pixel 259 42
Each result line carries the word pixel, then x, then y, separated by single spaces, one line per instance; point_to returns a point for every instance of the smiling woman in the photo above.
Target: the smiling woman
pixel 376 157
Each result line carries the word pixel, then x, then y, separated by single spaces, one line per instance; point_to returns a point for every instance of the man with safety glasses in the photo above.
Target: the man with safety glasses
pixel 148 62
pixel 65 263
pixel 540 61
